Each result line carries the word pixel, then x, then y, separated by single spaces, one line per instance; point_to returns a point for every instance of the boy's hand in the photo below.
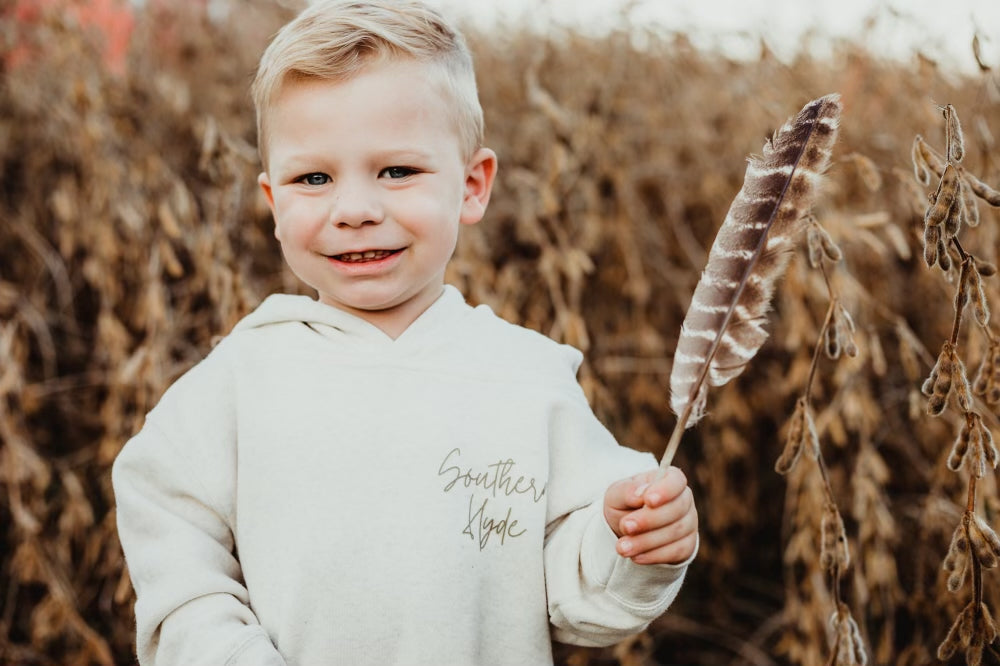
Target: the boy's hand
pixel 655 519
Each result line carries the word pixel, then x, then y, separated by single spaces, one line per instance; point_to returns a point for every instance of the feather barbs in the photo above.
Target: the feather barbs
pixel 724 325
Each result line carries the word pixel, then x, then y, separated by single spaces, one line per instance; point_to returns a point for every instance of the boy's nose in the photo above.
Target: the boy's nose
pixel 355 207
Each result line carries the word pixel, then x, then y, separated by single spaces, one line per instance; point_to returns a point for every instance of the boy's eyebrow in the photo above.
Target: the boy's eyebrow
pixel 307 160
pixel 293 165
pixel 404 154
pixel 387 157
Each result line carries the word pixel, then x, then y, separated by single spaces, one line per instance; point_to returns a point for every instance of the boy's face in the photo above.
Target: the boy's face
pixel 368 186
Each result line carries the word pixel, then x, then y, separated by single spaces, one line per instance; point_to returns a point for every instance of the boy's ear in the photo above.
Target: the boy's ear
pixel 479 175
pixel 265 185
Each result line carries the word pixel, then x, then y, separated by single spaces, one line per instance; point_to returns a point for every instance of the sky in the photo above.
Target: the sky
pixel 941 29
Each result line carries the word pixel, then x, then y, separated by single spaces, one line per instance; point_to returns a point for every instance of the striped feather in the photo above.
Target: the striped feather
pixel 724 326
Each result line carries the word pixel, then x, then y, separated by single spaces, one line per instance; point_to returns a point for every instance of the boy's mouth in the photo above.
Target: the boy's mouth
pixel 361 257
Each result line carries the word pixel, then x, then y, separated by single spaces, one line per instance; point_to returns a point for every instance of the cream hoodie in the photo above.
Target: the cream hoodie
pixel 315 493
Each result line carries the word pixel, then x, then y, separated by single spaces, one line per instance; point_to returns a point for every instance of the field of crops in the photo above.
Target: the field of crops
pixel 132 234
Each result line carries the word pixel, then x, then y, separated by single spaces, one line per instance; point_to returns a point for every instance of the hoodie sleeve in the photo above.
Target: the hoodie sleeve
pixel 596 597
pixel 174 488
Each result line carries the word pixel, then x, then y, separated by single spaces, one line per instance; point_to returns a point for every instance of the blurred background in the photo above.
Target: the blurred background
pixel 132 235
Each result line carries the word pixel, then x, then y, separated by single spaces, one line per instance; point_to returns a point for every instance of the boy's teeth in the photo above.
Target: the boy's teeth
pixel 364 256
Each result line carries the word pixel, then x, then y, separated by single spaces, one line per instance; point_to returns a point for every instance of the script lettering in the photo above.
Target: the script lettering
pixel 495 477
pixel 482 527
pixel 494 486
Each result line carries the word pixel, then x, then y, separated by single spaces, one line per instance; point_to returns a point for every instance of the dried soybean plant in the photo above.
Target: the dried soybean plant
pixel 835 338
pixel 975 545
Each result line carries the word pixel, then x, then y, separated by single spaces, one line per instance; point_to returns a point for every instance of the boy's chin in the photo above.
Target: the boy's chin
pixel 367 308
pixel 373 303
pixel 385 307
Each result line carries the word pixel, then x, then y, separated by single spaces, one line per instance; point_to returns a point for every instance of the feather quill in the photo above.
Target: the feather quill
pixel 724 326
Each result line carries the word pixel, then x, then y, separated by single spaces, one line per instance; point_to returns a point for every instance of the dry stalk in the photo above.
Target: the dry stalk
pixel 974 545
pixel 836 337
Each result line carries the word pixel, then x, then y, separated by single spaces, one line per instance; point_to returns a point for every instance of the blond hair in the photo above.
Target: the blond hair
pixel 336 39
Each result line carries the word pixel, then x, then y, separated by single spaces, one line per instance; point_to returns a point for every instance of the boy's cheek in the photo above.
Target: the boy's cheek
pixel 288 233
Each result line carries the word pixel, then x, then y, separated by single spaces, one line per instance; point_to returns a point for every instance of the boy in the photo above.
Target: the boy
pixel 385 475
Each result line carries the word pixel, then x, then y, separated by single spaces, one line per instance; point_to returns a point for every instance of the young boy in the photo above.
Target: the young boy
pixel 385 475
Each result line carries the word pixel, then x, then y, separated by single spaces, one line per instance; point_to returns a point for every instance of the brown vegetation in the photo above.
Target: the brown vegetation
pixel 131 235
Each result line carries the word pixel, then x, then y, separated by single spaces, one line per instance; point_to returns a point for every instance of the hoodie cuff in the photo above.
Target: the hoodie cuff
pixel 636 586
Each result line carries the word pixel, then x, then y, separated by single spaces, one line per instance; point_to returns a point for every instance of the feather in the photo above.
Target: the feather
pixel 724 326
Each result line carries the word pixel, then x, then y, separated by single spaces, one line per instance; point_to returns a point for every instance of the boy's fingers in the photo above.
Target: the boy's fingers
pixel 647 518
pixel 665 488
pixel 647 501
pixel 628 493
pixel 648 543
pixel 672 553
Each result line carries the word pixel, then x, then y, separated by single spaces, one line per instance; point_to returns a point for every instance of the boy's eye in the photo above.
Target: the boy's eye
pixel 315 179
pixel 397 172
